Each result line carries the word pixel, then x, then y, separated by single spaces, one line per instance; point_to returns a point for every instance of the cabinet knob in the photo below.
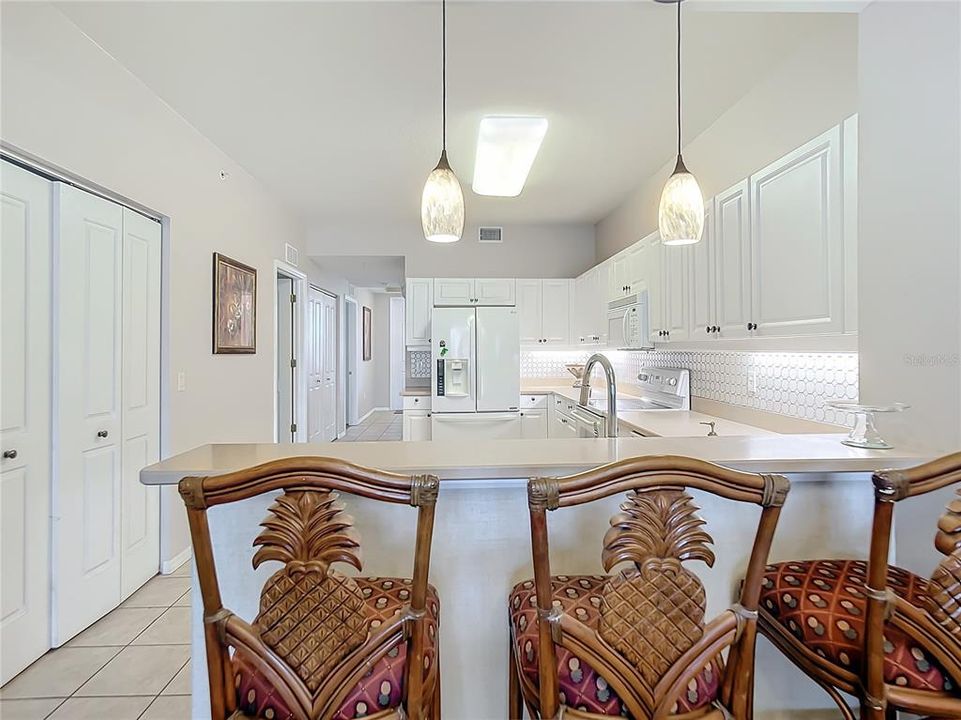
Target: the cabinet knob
pixel 102 433
pixel 9 454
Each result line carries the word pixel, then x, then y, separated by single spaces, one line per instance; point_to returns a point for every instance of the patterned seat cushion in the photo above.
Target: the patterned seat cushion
pixel 581 686
pixel 379 689
pixel 823 603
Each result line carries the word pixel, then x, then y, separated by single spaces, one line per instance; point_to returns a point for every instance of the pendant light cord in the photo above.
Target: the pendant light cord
pixel 678 78
pixel 443 14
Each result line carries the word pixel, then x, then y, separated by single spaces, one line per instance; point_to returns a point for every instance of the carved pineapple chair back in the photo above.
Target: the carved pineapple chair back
pixel 887 636
pixel 635 643
pixel 323 645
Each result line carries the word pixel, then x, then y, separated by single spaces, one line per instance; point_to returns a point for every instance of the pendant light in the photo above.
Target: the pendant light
pixel 442 204
pixel 680 216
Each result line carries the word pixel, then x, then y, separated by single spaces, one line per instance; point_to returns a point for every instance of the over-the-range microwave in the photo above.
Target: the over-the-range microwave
pixel 629 322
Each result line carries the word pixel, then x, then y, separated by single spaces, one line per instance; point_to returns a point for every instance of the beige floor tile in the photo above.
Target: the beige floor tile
pixel 168 707
pixel 171 628
pixel 184 600
pixel 118 627
pixel 180 685
pixel 137 671
pixel 58 673
pixel 28 709
pixel 102 708
pixel 184 570
pixel 161 591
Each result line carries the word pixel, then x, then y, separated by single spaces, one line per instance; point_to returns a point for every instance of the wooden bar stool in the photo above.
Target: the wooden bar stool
pixel 889 637
pixel 323 645
pixel 635 643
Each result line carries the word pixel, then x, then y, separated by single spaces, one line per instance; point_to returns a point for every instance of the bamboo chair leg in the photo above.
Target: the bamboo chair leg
pixel 515 702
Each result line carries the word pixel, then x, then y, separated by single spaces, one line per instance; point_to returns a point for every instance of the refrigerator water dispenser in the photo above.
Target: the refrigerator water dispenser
pixel 453 378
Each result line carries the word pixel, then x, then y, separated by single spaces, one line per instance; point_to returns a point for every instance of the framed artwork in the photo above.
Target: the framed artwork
pixel 235 307
pixel 367 353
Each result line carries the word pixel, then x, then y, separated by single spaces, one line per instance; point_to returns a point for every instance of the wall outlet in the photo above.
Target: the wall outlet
pixel 181 381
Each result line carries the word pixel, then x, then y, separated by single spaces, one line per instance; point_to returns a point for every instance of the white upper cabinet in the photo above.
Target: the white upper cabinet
pixel 453 291
pixel 529 311
pixel 418 304
pixel 732 257
pixel 619 279
pixel 473 291
pixel 494 291
pixel 544 309
pixel 701 257
pixel 647 257
pixel 797 248
pixel 676 293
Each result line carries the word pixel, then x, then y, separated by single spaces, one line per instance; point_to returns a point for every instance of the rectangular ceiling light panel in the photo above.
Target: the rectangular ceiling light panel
pixel 506 148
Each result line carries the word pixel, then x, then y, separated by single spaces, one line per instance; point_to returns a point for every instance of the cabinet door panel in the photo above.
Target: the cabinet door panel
pixel 619 277
pixel 732 239
pixel 556 311
pixel 494 291
pixel 797 243
pixel 677 291
pixel 453 291
pixel 530 311
pixel 534 424
pixel 702 280
pixel 419 301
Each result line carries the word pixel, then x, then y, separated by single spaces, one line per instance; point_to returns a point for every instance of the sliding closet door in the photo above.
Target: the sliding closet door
pixel 140 526
pixel 87 423
pixel 25 239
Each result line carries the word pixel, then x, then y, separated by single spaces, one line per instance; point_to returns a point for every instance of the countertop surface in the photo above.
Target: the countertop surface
pixel 499 459
pixel 662 423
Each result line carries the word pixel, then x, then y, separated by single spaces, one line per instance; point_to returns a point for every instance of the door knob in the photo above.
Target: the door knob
pixel 102 433
pixel 9 454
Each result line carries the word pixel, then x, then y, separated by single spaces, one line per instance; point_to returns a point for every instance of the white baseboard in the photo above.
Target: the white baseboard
pixel 168 566
pixel 371 412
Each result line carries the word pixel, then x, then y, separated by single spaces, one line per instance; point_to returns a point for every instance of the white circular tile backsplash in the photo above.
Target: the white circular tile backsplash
pixel 794 384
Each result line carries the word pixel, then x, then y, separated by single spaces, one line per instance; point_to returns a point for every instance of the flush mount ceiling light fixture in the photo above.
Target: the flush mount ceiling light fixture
pixel 442 203
pixel 506 148
pixel 680 216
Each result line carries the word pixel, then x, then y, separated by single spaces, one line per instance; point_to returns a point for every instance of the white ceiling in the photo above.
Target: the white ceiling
pixel 335 106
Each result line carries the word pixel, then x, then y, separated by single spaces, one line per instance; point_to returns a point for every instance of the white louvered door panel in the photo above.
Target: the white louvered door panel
pixel 25 238
pixel 87 421
pixel 140 528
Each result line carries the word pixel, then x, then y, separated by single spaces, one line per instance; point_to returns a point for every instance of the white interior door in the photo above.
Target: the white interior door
pixel 25 239
pixel 315 365
pixel 87 421
pixel 329 369
pixel 140 529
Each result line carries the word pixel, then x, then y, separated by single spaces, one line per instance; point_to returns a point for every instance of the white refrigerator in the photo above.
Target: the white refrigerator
pixel 475 373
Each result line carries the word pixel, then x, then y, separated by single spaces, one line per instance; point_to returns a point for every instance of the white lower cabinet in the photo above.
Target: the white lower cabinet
pixel 534 424
pixel 416 425
pixel 562 427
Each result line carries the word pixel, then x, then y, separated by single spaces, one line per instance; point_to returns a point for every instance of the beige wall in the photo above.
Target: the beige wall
pixel 373 376
pixel 68 103
pixel 527 250
pixel 909 262
pixel 810 91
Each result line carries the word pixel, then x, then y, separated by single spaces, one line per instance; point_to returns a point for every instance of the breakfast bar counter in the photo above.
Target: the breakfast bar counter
pixel 481 541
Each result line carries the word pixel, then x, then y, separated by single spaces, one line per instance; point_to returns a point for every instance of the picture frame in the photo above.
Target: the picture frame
pixel 234 307
pixel 367 354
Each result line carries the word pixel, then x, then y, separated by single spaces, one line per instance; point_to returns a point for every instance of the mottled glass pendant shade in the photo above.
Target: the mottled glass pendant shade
pixel 442 204
pixel 680 217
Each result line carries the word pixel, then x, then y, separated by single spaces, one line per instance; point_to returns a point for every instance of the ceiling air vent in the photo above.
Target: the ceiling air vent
pixel 490 235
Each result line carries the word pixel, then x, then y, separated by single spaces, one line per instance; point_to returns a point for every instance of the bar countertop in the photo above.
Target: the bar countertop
pixel 503 459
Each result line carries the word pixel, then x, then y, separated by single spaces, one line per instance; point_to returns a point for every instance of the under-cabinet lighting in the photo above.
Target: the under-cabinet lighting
pixel 506 148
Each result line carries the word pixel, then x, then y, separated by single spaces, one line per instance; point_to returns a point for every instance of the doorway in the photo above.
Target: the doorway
pixel 350 374
pixel 289 381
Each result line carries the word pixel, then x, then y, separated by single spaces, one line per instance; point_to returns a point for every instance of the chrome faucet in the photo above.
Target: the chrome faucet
pixel 611 425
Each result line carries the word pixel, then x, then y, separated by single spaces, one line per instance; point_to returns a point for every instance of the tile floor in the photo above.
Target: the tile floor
pixel 379 425
pixel 133 664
